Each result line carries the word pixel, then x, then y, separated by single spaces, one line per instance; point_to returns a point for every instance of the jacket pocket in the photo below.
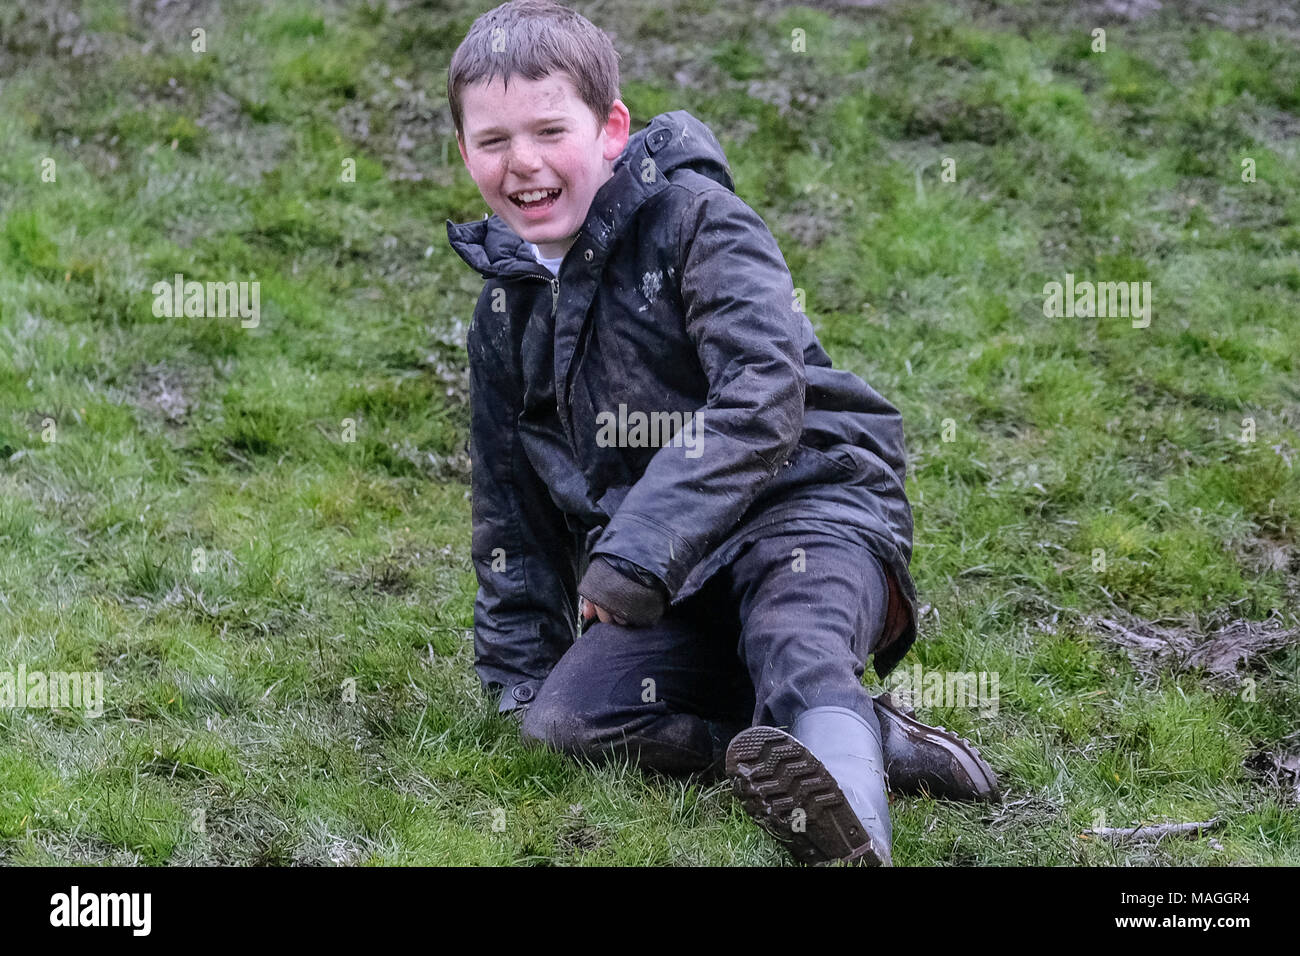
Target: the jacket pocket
pixel 808 466
pixel 835 460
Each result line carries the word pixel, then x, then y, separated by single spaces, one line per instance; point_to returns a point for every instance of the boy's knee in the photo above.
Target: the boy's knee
pixel 551 723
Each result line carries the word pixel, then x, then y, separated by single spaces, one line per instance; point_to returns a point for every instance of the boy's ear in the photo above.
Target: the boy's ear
pixel 618 127
pixel 460 144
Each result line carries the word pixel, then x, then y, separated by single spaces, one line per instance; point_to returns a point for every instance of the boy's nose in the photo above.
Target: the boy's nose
pixel 524 158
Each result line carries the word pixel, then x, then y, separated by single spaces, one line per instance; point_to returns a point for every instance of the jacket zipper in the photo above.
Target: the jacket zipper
pixel 555 303
pixel 562 387
pixel 559 386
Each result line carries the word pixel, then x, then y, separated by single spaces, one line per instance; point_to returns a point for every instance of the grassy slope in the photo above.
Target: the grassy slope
pixel 330 560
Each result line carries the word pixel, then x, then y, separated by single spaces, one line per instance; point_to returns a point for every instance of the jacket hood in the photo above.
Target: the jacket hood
pixel 671 142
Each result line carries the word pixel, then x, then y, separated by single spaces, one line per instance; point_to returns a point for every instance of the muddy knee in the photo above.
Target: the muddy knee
pixel 552 724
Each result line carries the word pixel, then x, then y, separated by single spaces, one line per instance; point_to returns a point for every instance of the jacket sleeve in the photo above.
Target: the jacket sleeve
pixel 738 301
pixel 525 556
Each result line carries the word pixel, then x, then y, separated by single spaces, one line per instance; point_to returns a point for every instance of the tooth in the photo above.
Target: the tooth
pixel 535 195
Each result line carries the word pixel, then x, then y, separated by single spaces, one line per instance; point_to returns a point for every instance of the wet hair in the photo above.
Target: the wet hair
pixel 532 39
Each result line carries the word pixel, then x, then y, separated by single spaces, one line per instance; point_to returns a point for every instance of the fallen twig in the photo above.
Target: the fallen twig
pixel 1155 832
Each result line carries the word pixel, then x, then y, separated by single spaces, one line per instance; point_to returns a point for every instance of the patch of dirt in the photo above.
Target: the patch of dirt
pixel 1131 9
pixel 389 575
pixel 1265 555
pixel 789 100
pixel 953 121
pixel 576 834
pixel 258 147
pixel 245 832
pixel 80 849
pixel 1264 16
pixel 169 22
pixel 872 4
pixel 36 419
pixel 435 466
pixel 1224 655
pixel 1027 813
pixel 811 219
pixel 405 126
pixel 1279 766
pixel 1267 16
pixel 51 29
pixel 168 392
pixel 449 365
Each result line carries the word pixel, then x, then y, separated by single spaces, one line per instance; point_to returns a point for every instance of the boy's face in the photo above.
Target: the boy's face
pixel 539 136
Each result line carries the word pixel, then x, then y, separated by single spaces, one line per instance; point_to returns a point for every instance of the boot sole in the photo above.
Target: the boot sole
pixel 981 781
pixel 774 776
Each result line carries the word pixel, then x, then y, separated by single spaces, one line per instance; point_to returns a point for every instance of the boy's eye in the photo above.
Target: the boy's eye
pixel 549 131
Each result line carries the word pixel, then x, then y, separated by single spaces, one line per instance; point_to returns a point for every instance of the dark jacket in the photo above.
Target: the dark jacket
pixel 674 298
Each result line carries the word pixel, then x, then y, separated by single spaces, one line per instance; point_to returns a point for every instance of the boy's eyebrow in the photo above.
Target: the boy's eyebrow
pixel 543 121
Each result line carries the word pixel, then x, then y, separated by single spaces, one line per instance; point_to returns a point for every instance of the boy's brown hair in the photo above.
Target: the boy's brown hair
pixel 533 38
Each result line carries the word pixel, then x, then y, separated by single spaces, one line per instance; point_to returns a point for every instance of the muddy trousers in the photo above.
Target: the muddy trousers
pixel 786 626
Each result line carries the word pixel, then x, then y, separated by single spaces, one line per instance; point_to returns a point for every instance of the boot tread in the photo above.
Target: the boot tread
pixel 773 775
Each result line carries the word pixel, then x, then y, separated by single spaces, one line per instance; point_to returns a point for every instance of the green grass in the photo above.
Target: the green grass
pixel 200 532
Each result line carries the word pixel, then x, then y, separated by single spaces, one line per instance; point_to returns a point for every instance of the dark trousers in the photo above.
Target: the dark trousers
pixel 785 627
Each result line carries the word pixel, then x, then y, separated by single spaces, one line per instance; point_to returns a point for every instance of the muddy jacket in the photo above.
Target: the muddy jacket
pixel 673 300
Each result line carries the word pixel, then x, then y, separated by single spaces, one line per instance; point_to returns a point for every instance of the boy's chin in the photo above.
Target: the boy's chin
pixel 542 236
pixel 537 232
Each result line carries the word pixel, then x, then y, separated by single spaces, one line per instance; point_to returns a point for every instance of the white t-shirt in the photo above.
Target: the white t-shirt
pixel 551 264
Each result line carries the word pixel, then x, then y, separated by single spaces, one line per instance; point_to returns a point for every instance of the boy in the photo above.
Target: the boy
pixel 656 430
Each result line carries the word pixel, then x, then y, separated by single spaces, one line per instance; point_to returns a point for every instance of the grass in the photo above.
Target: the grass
pixel 282 615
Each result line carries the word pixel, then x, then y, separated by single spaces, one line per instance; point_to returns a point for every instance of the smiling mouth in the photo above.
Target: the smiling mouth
pixel 535 198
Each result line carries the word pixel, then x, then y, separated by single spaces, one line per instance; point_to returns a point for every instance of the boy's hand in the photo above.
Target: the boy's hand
pixel 587 611
pixel 635 594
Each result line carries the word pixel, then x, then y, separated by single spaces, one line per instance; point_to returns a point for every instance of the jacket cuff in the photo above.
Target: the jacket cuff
pixel 637 603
